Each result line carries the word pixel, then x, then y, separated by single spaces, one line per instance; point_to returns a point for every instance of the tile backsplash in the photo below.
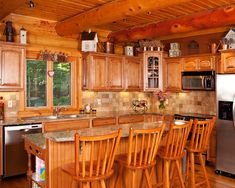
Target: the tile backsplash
pixel 191 102
pixel 113 101
pixel 11 98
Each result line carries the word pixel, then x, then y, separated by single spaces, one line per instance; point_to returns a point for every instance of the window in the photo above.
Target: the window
pixel 62 84
pixel 50 84
pixel 36 82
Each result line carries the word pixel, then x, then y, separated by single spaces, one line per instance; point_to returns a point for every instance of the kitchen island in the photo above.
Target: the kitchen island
pixel 57 149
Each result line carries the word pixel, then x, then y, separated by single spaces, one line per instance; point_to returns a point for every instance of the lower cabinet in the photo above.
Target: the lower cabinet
pixel 65 125
pixel 104 121
pixel 130 119
pixel 211 152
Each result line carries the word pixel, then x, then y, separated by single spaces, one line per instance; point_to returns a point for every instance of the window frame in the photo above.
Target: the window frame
pixel 46 110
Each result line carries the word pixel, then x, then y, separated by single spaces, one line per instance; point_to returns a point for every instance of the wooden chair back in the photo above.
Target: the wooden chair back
pixel 201 132
pixel 94 155
pixel 143 146
pixel 176 140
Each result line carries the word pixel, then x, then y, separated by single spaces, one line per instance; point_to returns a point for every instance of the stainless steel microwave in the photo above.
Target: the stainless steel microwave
pixel 203 80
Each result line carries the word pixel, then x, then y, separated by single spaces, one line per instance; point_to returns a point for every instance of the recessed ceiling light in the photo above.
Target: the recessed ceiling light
pixel 31 4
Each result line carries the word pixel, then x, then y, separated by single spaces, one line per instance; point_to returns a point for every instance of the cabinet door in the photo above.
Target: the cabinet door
pixel 206 63
pixel 228 62
pixel 133 74
pixel 211 152
pixel 98 72
pixel 103 121
pixel 153 71
pixel 115 73
pixel 12 60
pixel 190 64
pixel 173 75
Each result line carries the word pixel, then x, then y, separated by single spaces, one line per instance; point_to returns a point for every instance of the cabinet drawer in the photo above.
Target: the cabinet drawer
pixel 131 119
pixel 103 121
pixel 65 125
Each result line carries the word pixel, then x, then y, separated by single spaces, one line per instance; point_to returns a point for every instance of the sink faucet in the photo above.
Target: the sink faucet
pixel 57 110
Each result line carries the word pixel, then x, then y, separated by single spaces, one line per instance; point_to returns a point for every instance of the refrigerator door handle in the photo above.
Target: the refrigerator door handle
pixel 234 111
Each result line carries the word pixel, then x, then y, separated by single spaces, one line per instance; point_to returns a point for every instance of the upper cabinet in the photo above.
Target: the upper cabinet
pixel 105 72
pixel 205 62
pixel 153 71
pixel 133 74
pixel 12 58
pixel 172 74
pixel 227 64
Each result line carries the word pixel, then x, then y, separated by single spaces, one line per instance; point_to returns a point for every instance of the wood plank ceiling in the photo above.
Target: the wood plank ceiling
pixel 62 9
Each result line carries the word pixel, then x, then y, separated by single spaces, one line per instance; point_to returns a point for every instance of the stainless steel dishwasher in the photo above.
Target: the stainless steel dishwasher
pixel 14 155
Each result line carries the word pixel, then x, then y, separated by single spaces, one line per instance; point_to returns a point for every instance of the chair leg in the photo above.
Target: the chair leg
pixel 204 169
pixel 118 183
pixel 166 178
pixel 177 162
pixel 102 183
pixel 192 173
pixel 133 185
pixel 148 178
pixel 172 173
pixel 187 170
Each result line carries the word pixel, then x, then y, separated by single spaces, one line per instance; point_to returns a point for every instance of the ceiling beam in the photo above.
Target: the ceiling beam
pixel 109 12
pixel 210 19
pixel 8 6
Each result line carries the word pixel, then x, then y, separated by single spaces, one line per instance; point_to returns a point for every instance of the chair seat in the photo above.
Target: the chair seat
pixel 122 159
pixel 70 169
pixel 190 149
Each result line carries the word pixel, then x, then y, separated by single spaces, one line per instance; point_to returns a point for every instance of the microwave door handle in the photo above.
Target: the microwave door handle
pixel 203 82
pixel 234 111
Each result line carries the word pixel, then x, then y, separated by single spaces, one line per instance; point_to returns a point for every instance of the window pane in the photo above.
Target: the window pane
pixel 62 84
pixel 36 83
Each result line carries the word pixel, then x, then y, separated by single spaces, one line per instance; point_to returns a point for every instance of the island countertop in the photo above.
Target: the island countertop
pixel 39 139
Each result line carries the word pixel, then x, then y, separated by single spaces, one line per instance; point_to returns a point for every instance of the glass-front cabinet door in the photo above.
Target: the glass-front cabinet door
pixel 152 71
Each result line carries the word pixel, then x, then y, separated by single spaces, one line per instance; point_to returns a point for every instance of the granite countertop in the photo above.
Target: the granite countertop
pixel 15 120
pixel 66 136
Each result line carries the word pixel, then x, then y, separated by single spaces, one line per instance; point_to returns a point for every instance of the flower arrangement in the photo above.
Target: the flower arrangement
pixel 162 97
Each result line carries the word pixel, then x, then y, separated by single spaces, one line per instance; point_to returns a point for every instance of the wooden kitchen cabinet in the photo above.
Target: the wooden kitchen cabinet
pixel 153 117
pixel 153 76
pixel 103 121
pixel 211 151
pixel 173 74
pixel 227 64
pixel 133 74
pixel 103 72
pixel 130 119
pixel 12 60
pixel 203 62
pixel 65 125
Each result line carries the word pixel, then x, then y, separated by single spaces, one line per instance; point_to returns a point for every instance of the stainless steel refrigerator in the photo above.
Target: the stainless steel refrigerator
pixel 225 125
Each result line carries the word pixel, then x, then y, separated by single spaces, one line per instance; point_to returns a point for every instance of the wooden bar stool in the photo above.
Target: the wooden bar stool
pixel 198 144
pixel 142 149
pixel 172 151
pixel 94 158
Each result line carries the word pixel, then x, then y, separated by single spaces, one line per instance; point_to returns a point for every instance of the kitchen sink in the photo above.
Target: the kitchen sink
pixel 65 116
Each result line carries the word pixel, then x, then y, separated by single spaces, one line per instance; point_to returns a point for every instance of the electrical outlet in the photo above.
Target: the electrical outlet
pixel 9 104
pixel 99 101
